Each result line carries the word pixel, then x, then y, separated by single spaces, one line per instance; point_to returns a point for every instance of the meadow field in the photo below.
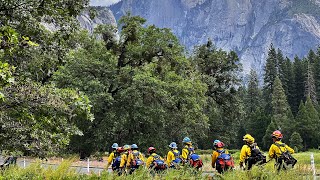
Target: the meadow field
pixel 65 171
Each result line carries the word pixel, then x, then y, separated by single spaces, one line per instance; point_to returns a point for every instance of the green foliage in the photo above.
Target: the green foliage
pixel 296 141
pixel 39 120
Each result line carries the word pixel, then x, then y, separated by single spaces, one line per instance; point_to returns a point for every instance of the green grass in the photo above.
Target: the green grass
pixel 64 171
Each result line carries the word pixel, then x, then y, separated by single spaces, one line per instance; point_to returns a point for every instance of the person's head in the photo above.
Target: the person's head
pixel 173 145
pixel 276 136
pixel 120 149
pixel 151 150
pixel 215 142
pixel 114 146
pixel 126 147
pixel 186 140
pixel 134 147
pixel 220 145
pixel 248 139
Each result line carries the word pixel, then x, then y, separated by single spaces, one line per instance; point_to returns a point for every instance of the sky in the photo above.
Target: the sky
pixel 103 2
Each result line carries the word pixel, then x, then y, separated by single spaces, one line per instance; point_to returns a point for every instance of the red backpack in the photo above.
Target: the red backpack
pixel 195 161
pixel 224 161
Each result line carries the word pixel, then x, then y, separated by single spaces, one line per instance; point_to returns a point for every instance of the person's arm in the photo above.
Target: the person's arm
pixel 129 160
pixel 169 157
pixel 141 157
pixel 184 154
pixel 123 160
pixel 149 161
pixel 272 151
pixel 110 159
pixel 290 149
pixel 214 159
pixel 243 154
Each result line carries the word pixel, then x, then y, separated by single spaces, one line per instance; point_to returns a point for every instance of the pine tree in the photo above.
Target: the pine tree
pixel 296 141
pixel 308 124
pixel 253 96
pixel 316 70
pixel 310 88
pixel 281 112
pixel 299 80
pixel 270 74
pixel 289 81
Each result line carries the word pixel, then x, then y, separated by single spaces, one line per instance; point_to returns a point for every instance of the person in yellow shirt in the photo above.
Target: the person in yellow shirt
pixel 187 150
pixel 220 153
pixel 135 159
pixel 124 158
pixel 154 161
pixel 248 150
pixel 112 155
pixel 173 156
pixel 277 151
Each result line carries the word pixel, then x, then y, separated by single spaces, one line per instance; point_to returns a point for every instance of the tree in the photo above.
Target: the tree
pixel 253 96
pixel 308 124
pixel 140 87
pixel 39 120
pixel 310 88
pixel 296 141
pixel 219 70
pixel 281 113
pixel 271 71
pixel 299 80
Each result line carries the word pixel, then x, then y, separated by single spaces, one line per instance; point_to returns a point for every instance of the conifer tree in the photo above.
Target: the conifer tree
pixel 310 88
pixel 296 141
pixel 267 141
pixel 270 74
pixel 308 124
pixel 281 112
pixel 316 71
pixel 253 96
pixel 299 80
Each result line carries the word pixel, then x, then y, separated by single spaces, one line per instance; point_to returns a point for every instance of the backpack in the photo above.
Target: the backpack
pixel 195 161
pixel 136 162
pixel 116 163
pixel 256 157
pixel 177 159
pixel 286 156
pixel 158 164
pixel 224 161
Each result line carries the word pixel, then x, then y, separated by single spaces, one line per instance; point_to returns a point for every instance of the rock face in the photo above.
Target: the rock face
pixel 245 26
pixel 104 16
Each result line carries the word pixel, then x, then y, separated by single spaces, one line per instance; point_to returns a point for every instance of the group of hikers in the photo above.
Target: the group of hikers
pixel 127 159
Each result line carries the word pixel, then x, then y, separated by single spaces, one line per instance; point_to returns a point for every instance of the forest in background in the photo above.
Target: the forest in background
pixel 68 91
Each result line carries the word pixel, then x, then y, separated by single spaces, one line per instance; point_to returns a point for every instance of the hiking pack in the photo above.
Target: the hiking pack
pixel 286 156
pixel 195 161
pixel 136 162
pixel 177 159
pixel 256 157
pixel 116 162
pixel 158 164
pixel 224 161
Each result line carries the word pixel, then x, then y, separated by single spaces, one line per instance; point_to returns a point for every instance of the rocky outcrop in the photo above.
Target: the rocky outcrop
pixel 104 16
pixel 245 26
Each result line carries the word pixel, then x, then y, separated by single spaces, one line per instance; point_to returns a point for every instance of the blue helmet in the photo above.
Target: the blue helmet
pixel 186 140
pixel 134 146
pixel 115 146
pixel 173 145
pixel 215 142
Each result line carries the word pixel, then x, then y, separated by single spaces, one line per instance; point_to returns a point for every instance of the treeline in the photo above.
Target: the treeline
pixel 288 100
pixel 67 91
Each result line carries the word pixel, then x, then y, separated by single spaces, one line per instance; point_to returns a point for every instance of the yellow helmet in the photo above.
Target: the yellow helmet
pixel 248 138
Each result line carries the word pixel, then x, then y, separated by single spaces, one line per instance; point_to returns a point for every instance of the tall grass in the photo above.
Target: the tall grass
pixel 267 172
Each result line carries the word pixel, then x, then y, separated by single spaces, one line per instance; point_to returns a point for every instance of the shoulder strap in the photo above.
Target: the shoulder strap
pixel 279 146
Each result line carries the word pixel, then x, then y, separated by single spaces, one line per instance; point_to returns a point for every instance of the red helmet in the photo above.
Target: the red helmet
pixel 120 149
pixel 277 134
pixel 151 149
pixel 220 144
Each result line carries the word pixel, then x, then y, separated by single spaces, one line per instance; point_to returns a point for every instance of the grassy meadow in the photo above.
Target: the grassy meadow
pixel 64 171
